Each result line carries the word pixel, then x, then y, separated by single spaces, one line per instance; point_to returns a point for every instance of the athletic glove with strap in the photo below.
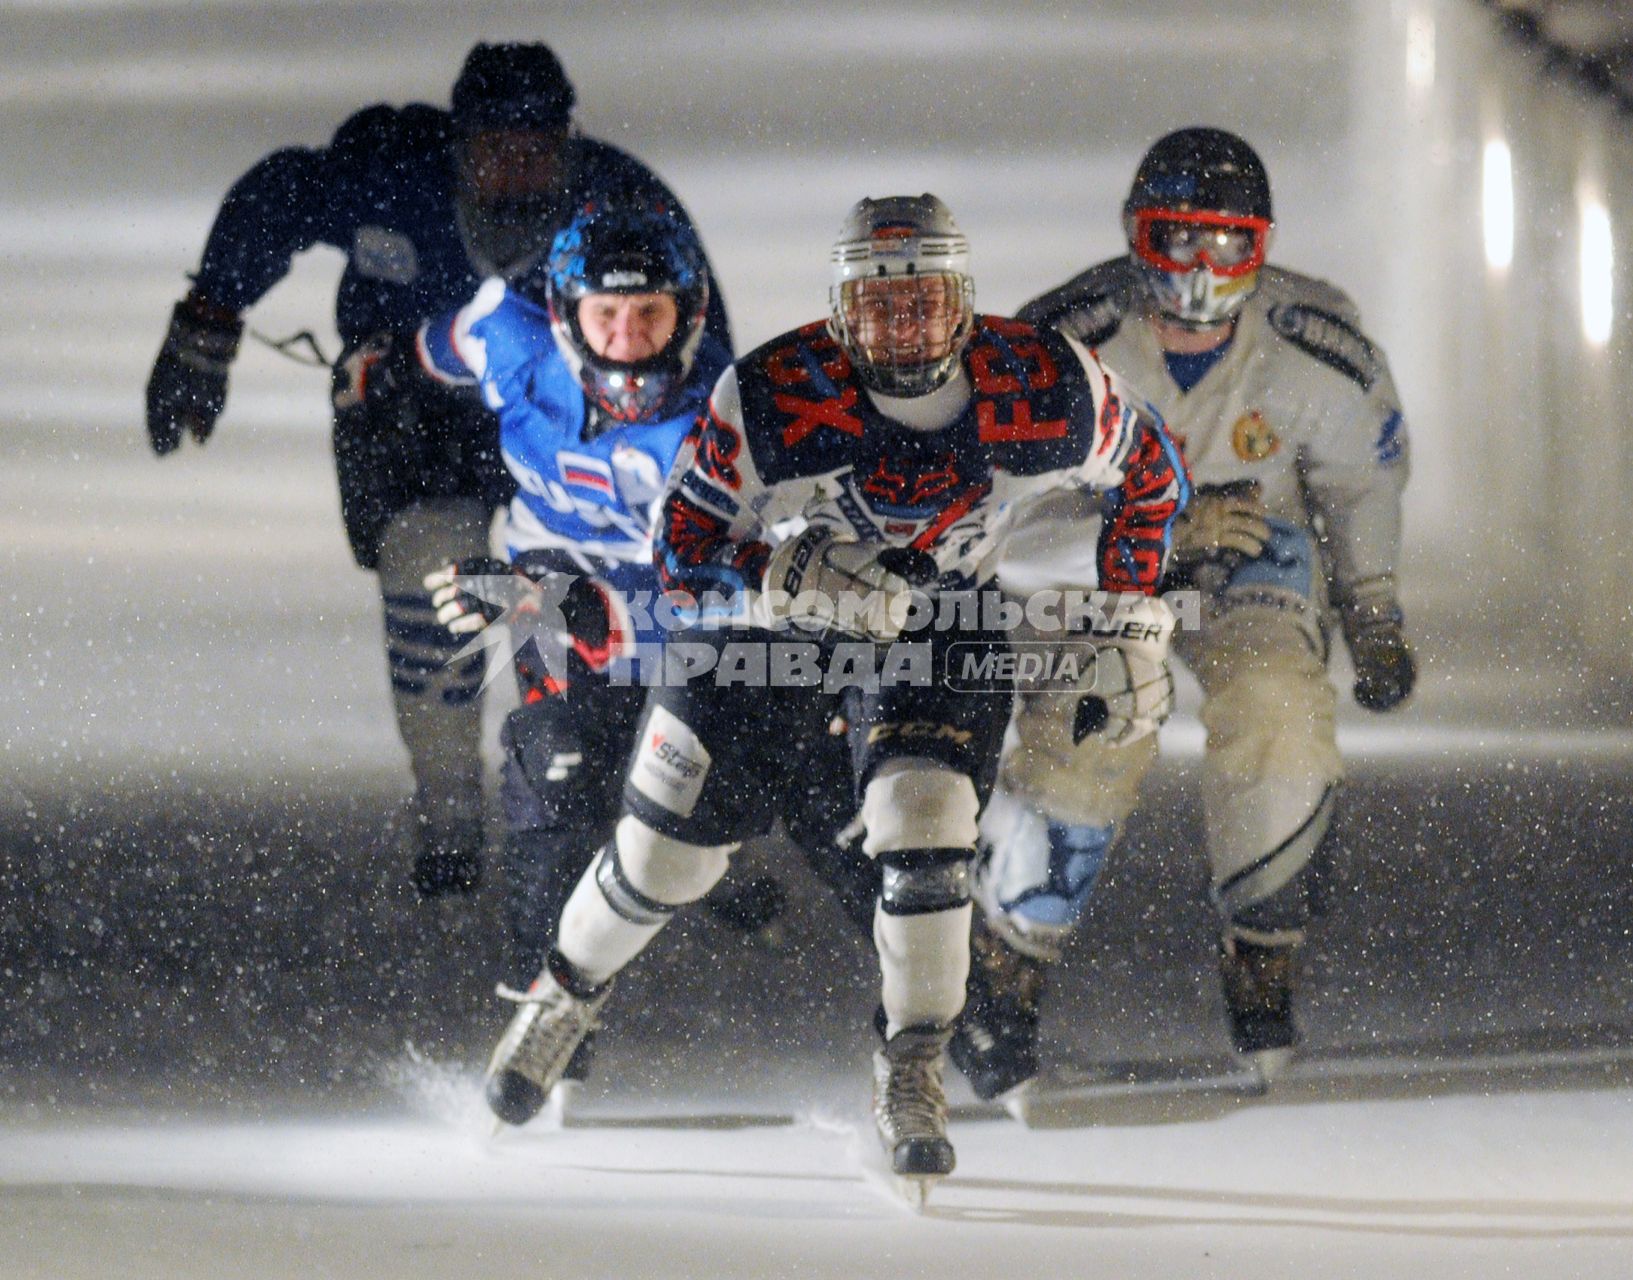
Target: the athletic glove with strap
pixel 470 594
pixel 1224 522
pixel 1385 671
pixel 188 386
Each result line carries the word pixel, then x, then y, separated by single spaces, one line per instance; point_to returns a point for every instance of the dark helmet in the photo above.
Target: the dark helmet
pixel 613 248
pixel 513 153
pixel 1198 219
pixel 512 86
pixel 1202 169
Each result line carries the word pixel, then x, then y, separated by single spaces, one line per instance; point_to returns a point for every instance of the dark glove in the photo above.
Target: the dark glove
pixel 596 621
pixel 188 386
pixel 461 611
pixel 1385 671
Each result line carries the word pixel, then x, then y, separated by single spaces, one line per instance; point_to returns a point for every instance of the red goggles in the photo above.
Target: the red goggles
pixel 1228 244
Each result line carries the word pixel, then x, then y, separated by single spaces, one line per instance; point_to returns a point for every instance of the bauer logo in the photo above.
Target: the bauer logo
pixel 671 764
pixel 1031 666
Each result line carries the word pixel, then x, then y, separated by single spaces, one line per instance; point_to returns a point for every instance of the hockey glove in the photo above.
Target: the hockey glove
pixel 825 579
pixel 1133 685
pixel 380 370
pixel 470 594
pixel 461 610
pixel 1385 670
pixel 1223 522
pixel 188 386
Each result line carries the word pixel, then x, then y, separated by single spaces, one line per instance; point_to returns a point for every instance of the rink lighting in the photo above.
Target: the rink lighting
pixel 1598 267
pixel 1497 204
pixel 1420 51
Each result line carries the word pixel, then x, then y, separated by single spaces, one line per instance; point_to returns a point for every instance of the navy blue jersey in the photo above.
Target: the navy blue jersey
pixel 382 192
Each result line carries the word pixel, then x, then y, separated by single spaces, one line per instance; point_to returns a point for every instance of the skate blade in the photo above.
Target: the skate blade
pixel 1018 1101
pixel 915 1189
pixel 560 1106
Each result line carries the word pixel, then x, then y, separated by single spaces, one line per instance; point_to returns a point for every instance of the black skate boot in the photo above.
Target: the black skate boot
pixel 448 857
pixel 995 1043
pixel 1258 985
pixel 542 1042
pixel 753 908
pixel 910 1108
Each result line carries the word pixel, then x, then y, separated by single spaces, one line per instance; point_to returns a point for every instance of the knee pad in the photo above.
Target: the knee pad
pixel 416 540
pixel 919 804
pixel 1271 892
pixel 645 875
pixel 1088 783
pixel 916 882
pixel 1037 880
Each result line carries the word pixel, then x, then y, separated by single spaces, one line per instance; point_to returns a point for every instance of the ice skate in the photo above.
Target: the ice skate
pixel 754 908
pixel 448 847
pixel 910 1109
pixel 995 1042
pixel 539 1047
pixel 1258 986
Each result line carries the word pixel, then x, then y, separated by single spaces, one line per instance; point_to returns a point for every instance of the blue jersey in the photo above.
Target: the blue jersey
pixel 382 192
pixel 588 486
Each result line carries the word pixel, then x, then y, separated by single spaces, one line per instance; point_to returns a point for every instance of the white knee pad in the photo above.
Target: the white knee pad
pixel 426 535
pixel 659 868
pixel 629 894
pixel 924 962
pixel 915 803
pixel 1088 783
pixel 1036 878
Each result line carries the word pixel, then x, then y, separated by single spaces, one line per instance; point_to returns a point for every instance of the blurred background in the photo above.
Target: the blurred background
pixel 202 887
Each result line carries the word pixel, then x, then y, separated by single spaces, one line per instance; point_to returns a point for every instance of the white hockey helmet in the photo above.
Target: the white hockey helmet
pixel 902 301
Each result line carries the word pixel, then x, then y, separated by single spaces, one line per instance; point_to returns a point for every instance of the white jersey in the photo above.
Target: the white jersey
pixel 792 436
pixel 1301 402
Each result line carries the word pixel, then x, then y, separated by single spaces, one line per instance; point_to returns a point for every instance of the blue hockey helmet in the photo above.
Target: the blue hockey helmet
pixel 609 248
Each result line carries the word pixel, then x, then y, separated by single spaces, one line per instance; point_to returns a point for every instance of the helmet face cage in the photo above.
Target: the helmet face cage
pixel 1198 220
pixel 612 250
pixel 902 301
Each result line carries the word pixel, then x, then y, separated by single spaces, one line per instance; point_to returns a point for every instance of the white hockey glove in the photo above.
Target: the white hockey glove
pixel 1133 685
pixel 1385 670
pixel 1221 522
pixel 825 579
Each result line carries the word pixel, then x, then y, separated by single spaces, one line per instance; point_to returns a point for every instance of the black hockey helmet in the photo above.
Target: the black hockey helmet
pixel 1198 221
pixel 512 86
pixel 1202 169
pixel 513 153
pixel 612 248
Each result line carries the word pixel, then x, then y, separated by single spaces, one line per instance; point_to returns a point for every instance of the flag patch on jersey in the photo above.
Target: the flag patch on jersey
pixel 586 472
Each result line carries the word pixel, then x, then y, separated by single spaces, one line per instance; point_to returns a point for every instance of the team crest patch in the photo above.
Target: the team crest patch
pixel 1252 437
pixel 670 763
